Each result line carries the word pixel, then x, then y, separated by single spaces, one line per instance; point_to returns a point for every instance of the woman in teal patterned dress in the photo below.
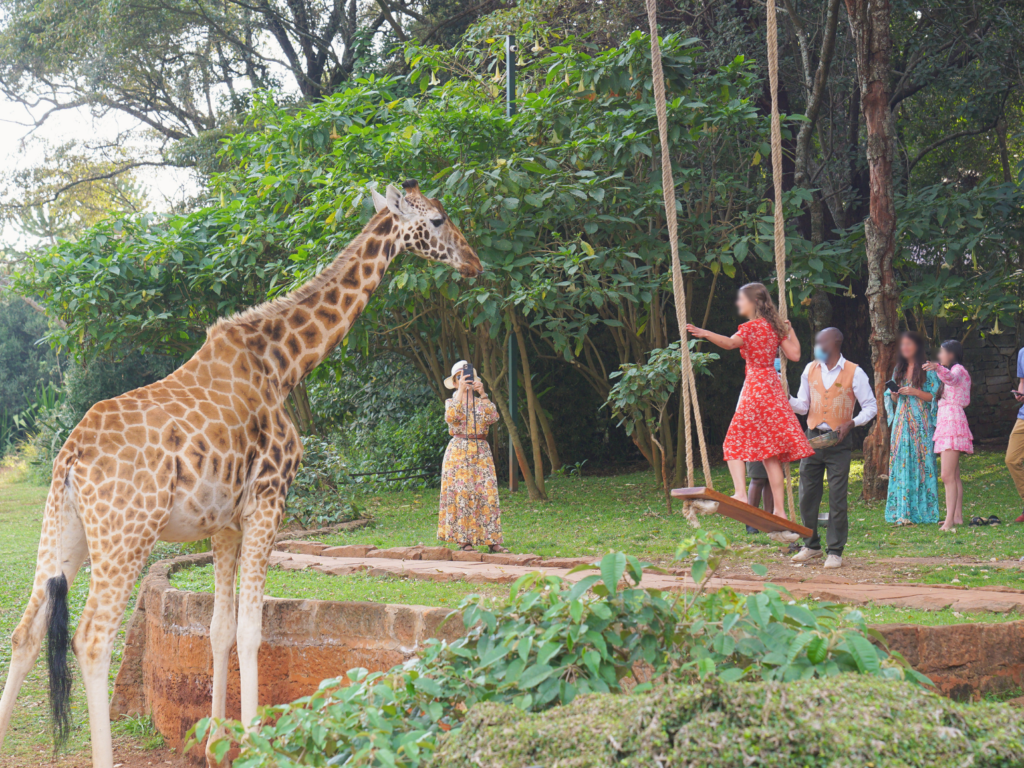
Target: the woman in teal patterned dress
pixel 913 486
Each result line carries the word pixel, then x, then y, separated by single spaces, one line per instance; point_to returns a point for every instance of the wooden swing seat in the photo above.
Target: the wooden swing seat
pixel 741 511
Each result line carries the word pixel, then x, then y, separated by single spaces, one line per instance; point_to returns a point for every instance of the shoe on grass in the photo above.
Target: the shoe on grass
pixel 1020 519
pixel 805 555
pixel 783 537
pixel 834 561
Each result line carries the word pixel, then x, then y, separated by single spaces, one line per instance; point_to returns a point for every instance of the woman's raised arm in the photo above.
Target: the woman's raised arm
pixel 725 342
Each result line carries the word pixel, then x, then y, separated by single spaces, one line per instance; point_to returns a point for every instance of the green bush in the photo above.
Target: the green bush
pixel 322 493
pixel 552 641
pixel 852 721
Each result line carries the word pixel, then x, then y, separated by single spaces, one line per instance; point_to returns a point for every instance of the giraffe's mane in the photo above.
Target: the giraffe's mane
pixel 284 303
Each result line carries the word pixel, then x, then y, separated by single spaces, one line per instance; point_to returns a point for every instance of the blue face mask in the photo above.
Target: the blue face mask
pixel 820 354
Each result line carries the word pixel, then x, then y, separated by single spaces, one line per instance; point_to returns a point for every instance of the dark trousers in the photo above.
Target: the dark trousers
pixel 836 462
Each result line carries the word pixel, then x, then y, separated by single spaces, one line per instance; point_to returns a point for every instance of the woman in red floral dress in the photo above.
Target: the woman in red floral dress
pixel 764 428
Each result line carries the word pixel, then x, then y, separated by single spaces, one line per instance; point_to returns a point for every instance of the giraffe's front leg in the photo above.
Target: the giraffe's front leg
pixel 258 534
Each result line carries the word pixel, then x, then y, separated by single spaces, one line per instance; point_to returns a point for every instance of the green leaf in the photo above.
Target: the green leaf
pixel 864 653
pixel 534 676
pixel 613 565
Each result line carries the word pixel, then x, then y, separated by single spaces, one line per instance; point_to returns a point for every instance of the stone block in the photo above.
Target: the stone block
pixel 349 621
pixel 467 557
pixel 349 550
pixel 485 577
pixel 443 623
pixel 301 547
pixel 565 562
pixel 406 624
pixel 400 553
pixel 508 558
pixel 438 576
pixel 339 570
pixel 436 553
pixel 393 572
pixel 293 565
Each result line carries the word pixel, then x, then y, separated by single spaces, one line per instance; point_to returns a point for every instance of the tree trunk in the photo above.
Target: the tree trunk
pixel 494 381
pixel 531 407
pixel 869 23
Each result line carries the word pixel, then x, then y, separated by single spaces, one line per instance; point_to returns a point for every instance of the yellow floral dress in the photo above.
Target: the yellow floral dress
pixel 469 513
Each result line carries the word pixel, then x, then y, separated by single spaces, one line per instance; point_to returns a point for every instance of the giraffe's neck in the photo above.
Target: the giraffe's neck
pixel 293 334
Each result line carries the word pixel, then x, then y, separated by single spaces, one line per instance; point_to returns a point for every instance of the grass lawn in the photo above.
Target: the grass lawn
pixel 587 516
pixel 592 515
pixel 311 585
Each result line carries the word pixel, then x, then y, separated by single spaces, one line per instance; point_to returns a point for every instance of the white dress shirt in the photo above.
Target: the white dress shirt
pixel 861 390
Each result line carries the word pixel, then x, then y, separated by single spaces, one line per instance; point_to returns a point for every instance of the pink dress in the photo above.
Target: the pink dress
pixel 952 433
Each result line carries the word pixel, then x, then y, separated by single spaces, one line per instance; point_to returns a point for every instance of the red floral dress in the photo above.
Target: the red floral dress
pixel 764 425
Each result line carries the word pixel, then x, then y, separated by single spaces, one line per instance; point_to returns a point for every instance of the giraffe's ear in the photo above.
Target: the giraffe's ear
pixel 396 201
pixel 379 201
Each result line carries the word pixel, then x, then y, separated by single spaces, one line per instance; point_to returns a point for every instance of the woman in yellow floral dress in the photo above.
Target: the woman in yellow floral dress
pixel 470 515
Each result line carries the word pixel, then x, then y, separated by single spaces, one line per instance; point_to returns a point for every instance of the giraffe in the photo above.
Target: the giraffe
pixel 206 452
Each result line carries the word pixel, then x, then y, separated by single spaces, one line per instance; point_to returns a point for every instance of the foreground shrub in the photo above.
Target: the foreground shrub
pixel 850 721
pixel 552 641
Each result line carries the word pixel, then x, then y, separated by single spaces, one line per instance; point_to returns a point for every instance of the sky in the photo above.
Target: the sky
pixel 164 186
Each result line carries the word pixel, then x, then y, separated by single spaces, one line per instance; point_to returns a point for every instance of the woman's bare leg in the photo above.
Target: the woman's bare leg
pixel 738 470
pixel 950 479
pixel 777 481
pixel 959 517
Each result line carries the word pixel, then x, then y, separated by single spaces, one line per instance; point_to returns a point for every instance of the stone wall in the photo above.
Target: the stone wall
pixel 167 666
pixel 992 363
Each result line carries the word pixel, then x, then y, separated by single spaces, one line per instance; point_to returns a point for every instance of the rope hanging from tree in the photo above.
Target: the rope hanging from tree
pixel 689 384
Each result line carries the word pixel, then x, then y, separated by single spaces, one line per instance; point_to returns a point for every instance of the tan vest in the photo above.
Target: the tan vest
pixel 834 406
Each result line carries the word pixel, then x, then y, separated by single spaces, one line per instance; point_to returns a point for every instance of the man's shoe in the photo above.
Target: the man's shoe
pixel 752 530
pixel 783 537
pixel 834 561
pixel 805 555
pixel 1020 519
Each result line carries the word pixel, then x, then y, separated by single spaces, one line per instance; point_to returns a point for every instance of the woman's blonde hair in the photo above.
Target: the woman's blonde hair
pixel 764 307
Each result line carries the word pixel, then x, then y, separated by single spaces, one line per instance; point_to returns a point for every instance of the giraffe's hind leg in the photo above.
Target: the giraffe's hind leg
pixel 226 545
pixel 62 550
pixel 111 586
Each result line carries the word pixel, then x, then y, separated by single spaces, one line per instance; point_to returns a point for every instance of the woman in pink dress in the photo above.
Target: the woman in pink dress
pixel 952 433
pixel 764 428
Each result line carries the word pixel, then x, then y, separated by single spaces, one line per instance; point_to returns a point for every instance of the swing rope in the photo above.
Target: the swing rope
pixel 689 385
pixel 779 221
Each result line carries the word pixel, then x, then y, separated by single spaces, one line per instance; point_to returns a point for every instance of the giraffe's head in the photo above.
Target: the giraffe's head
pixel 425 229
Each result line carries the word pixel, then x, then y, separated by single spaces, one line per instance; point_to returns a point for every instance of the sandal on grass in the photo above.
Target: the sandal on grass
pixel 467 548
pixel 495 549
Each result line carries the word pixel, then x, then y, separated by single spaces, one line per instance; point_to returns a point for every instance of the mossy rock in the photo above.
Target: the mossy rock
pixel 849 721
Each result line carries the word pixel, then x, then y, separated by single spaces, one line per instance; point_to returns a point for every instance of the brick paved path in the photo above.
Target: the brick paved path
pixel 443 564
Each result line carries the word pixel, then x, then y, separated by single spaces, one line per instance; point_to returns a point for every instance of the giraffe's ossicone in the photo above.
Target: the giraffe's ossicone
pixel 207 452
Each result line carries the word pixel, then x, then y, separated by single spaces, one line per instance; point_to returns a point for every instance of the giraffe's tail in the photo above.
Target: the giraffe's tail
pixel 60 515
pixel 58 642
pixel 62 537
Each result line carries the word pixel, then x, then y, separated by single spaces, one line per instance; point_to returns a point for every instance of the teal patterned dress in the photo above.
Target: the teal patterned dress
pixel 913 485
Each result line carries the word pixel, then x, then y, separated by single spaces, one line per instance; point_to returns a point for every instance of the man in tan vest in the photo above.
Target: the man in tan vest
pixel 830 388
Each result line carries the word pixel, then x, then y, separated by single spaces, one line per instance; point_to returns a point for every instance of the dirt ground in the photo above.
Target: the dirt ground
pixel 859 570
pixel 127 754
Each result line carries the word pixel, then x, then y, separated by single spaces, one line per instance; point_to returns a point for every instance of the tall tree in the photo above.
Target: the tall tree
pixel 869 24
